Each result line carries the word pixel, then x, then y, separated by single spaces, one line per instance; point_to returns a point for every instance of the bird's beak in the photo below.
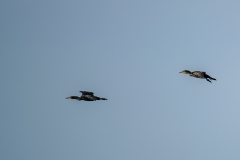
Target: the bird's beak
pixel 180 72
pixel 68 98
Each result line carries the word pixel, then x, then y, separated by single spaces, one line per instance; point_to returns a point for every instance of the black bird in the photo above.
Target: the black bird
pixel 86 96
pixel 198 74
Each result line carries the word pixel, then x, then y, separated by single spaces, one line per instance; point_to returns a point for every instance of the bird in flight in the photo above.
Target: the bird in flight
pixel 198 74
pixel 86 96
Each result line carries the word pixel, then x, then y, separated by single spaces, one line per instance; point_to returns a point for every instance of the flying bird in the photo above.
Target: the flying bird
pixel 198 74
pixel 86 96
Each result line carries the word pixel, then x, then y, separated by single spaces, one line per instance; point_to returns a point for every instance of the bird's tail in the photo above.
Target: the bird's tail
pixel 99 98
pixel 207 76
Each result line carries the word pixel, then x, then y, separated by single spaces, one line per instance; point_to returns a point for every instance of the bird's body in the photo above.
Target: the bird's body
pixel 86 96
pixel 198 74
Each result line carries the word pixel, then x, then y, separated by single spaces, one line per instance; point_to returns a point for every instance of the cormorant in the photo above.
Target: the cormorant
pixel 198 74
pixel 86 96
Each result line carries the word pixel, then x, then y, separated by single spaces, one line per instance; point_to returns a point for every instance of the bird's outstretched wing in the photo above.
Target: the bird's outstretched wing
pixel 86 93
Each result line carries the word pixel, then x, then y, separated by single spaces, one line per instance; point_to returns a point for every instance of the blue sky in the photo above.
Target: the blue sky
pixel 130 52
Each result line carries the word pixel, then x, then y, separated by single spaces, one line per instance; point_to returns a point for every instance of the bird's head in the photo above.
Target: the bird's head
pixel 185 72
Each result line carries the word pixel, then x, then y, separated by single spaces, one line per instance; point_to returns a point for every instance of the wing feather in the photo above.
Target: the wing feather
pixel 86 93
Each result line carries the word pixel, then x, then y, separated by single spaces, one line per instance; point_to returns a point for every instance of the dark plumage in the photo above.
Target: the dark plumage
pixel 86 96
pixel 198 74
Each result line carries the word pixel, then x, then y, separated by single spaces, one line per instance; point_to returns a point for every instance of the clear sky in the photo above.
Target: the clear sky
pixel 131 52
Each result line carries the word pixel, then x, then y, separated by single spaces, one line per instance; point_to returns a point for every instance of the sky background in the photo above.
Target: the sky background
pixel 130 52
